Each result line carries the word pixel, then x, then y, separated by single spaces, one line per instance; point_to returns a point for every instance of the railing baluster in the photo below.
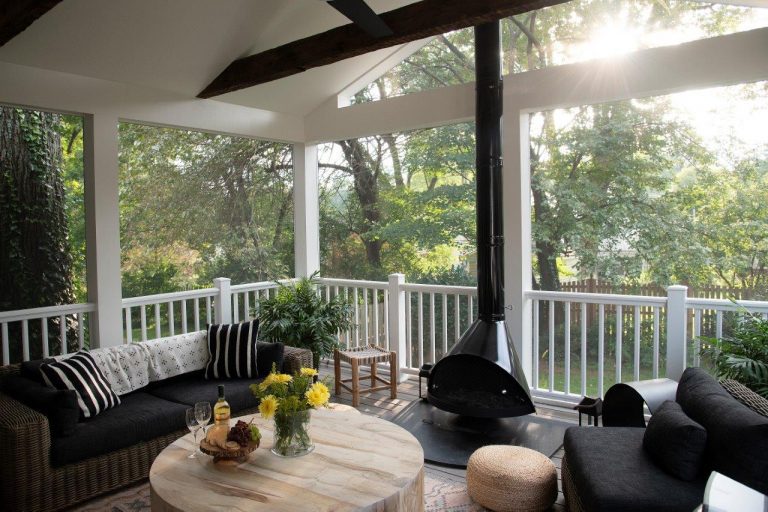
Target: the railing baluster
pixel 600 349
pixel 567 348
pixel 409 329
pixel 637 343
pixel 247 306
pixel 171 320
pixel 696 334
pixel 445 323
pixel 432 353
pixel 357 318
pixel 365 317
pixel 375 293
pixel 6 348
pixel 551 368
pixel 128 325
pixel 470 310
pixel 235 307
pixel 44 333
pixel 456 318
pixel 536 332
pixel 158 331
pixel 583 357
pixel 25 340
pixel 143 315
pixel 184 316
pixel 619 340
pixel 421 329
pixel 386 319
pixel 208 310
pixel 719 324
pixel 81 330
pixel 656 342
pixel 196 314
pixel 63 334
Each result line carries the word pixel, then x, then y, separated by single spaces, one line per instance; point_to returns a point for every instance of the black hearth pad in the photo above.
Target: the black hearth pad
pixel 449 439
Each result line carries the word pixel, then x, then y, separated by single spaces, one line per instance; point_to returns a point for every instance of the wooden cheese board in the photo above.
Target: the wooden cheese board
pixel 231 456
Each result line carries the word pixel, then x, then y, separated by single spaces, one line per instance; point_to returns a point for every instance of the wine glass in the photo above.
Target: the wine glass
pixel 203 414
pixel 193 426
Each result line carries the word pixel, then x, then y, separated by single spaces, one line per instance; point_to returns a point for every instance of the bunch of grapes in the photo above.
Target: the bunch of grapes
pixel 240 433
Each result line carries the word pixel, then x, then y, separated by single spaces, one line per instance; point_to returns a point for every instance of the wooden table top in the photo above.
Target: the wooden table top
pixel 360 462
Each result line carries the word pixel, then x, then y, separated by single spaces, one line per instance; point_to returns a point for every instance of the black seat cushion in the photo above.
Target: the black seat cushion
pixel 269 354
pixel 737 437
pixel 140 417
pixel 612 472
pixel 192 387
pixel 58 405
pixel 675 442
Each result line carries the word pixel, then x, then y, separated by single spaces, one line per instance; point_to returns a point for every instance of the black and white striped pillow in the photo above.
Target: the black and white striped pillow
pixel 80 374
pixel 232 351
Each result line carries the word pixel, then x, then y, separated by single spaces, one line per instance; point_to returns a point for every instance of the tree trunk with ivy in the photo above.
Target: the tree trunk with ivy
pixel 35 261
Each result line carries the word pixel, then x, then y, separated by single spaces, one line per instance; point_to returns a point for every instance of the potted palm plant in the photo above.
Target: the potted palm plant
pixel 299 317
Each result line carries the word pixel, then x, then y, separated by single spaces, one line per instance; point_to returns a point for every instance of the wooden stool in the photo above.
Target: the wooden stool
pixel 370 355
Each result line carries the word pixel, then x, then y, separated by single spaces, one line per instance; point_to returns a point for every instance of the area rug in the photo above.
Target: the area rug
pixel 442 492
pixel 449 439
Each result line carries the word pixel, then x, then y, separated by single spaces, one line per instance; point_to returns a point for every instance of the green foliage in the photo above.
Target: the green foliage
pixel 299 317
pixel 743 356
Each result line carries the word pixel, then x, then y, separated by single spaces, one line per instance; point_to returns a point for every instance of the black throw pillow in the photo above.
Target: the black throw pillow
pixel 59 406
pixel 675 442
pixel 81 374
pixel 269 354
pixel 31 369
pixel 232 351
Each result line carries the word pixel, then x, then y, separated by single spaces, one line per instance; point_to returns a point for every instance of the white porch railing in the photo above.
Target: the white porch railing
pixel 51 320
pixel 581 343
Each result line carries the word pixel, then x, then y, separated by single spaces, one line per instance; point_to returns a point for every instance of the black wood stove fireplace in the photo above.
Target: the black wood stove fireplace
pixel 481 375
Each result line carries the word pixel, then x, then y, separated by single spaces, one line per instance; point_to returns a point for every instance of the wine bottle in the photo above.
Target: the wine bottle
pixel 221 409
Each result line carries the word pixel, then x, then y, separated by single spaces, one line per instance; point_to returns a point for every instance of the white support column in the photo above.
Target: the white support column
pixel 102 228
pixel 397 323
pixel 306 210
pixel 517 234
pixel 677 324
pixel 222 304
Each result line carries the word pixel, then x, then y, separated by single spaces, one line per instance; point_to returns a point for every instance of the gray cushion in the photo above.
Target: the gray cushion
pixel 612 472
pixel 675 442
pixel 737 437
pixel 140 417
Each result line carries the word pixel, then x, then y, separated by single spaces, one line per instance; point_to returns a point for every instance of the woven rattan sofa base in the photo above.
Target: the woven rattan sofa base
pixel 572 499
pixel 28 482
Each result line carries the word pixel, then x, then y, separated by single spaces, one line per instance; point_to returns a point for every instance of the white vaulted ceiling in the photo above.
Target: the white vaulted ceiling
pixel 181 45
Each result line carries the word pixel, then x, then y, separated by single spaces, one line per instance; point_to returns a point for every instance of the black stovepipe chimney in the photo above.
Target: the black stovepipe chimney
pixel 481 375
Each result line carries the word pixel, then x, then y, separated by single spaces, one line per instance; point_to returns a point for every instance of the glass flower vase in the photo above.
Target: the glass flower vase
pixel 292 434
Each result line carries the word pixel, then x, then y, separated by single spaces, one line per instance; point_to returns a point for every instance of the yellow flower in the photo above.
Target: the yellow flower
pixel 268 406
pixel 308 372
pixel 318 395
pixel 281 378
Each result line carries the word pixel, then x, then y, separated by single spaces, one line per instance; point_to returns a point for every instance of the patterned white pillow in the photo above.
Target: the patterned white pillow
pixel 176 355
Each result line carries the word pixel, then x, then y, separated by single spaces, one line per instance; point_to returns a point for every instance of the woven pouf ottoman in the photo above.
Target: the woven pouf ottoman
pixel 511 479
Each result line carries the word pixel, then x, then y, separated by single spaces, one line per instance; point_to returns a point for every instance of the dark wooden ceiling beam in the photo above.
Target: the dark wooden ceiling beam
pixel 17 15
pixel 415 21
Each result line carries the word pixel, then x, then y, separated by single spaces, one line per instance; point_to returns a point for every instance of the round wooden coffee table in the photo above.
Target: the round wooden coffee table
pixel 360 462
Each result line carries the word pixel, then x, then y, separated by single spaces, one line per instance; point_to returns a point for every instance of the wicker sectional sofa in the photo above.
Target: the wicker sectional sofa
pixel 44 471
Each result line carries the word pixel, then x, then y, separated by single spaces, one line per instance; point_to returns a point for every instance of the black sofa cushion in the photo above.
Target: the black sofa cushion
pixel 269 353
pixel 613 472
pixel 232 351
pixel 737 437
pixel 31 369
pixel 140 417
pixel 58 405
pixel 192 387
pixel 675 442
